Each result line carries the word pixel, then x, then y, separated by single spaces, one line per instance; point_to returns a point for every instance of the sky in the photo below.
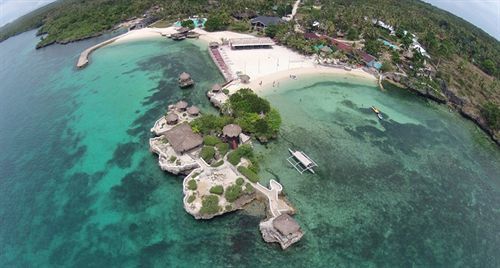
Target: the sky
pixel 12 9
pixel 483 13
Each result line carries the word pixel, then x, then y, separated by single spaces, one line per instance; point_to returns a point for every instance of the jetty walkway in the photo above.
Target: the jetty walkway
pixel 220 63
pixel 83 60
pixel 276 206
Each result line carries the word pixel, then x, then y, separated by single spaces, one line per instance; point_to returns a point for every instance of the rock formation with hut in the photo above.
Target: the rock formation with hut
pixel 213 185
pixel 185 80
pixel 217 96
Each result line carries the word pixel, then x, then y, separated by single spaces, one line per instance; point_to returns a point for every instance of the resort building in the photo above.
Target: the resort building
pixel 261 22
pixel 370 60
pixel 342 46
pixel 248 43
pixel 183 139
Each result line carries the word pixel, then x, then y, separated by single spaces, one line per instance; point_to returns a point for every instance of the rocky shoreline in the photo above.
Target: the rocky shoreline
pixel 449 97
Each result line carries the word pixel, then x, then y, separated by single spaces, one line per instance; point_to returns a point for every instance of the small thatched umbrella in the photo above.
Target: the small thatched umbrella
pixel 181 105
pixel 213 44
pixel 231 131
pixel 193 111
pixel 216 88
pixel 245 78
pixel 172 118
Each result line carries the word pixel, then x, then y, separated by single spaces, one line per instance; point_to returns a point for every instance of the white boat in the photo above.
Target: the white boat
pixel 301 162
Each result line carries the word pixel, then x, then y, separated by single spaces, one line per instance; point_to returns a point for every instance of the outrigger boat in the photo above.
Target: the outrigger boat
pixel 377 111
pixel 301 162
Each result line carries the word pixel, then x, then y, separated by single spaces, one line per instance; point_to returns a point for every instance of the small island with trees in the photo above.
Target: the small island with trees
pixel 216 156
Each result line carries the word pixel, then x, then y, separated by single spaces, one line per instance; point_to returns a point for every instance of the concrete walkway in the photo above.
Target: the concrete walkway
pixel 276 206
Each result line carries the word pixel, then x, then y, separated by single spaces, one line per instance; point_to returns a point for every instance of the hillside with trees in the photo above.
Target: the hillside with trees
pixel 464 64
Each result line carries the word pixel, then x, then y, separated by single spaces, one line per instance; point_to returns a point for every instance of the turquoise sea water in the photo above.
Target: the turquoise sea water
pixel 79 188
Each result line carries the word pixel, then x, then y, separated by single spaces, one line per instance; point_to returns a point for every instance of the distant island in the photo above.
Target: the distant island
pixel 412 43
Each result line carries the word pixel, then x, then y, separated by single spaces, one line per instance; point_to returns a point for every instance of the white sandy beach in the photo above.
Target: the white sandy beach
pixel 262 65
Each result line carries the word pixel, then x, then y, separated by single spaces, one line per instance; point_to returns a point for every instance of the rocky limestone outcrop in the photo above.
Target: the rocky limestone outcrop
pixel 272 233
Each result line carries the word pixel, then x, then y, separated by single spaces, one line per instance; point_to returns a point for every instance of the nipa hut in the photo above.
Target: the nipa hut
pixel 231 133
pixel 172 119
pixel 181 106
pixel 185 80
pixel 193 111
pixel 286 225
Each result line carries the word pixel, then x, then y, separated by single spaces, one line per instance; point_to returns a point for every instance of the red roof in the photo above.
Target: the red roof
pixel 342 46
pixel 366 57
pixel 311 36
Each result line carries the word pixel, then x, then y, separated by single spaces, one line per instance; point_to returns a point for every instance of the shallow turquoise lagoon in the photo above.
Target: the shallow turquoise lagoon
pixel 79 188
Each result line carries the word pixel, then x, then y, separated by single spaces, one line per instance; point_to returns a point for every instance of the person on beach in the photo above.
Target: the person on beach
pixel 274 83
pixel 260 83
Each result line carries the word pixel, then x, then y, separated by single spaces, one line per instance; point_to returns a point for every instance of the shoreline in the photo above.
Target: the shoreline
pixel 268 80
pixel 307 66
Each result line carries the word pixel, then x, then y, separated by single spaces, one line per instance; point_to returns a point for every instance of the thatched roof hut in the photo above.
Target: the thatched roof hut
pixel 181 105
pixel 193 111
pixel 183 139
pixel 285 224
pixel 183 30
pixel 184 76
pixel 216 88
pixel 192 35
pixel 185 80
pixel 172 118
pixel 231 131
pixel 245 78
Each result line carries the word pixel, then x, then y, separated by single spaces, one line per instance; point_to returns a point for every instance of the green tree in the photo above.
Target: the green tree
pixel 217 21
pixel 352 34
pixel 386 67
pixel 406 41
pixel 210 204
pixel 489 66
pixel 187 23
pixel 271 31
pixel 395 56
pixel 491 113
pixel 373 47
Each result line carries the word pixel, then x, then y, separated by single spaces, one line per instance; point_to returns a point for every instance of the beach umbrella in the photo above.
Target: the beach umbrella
pixel 245 78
